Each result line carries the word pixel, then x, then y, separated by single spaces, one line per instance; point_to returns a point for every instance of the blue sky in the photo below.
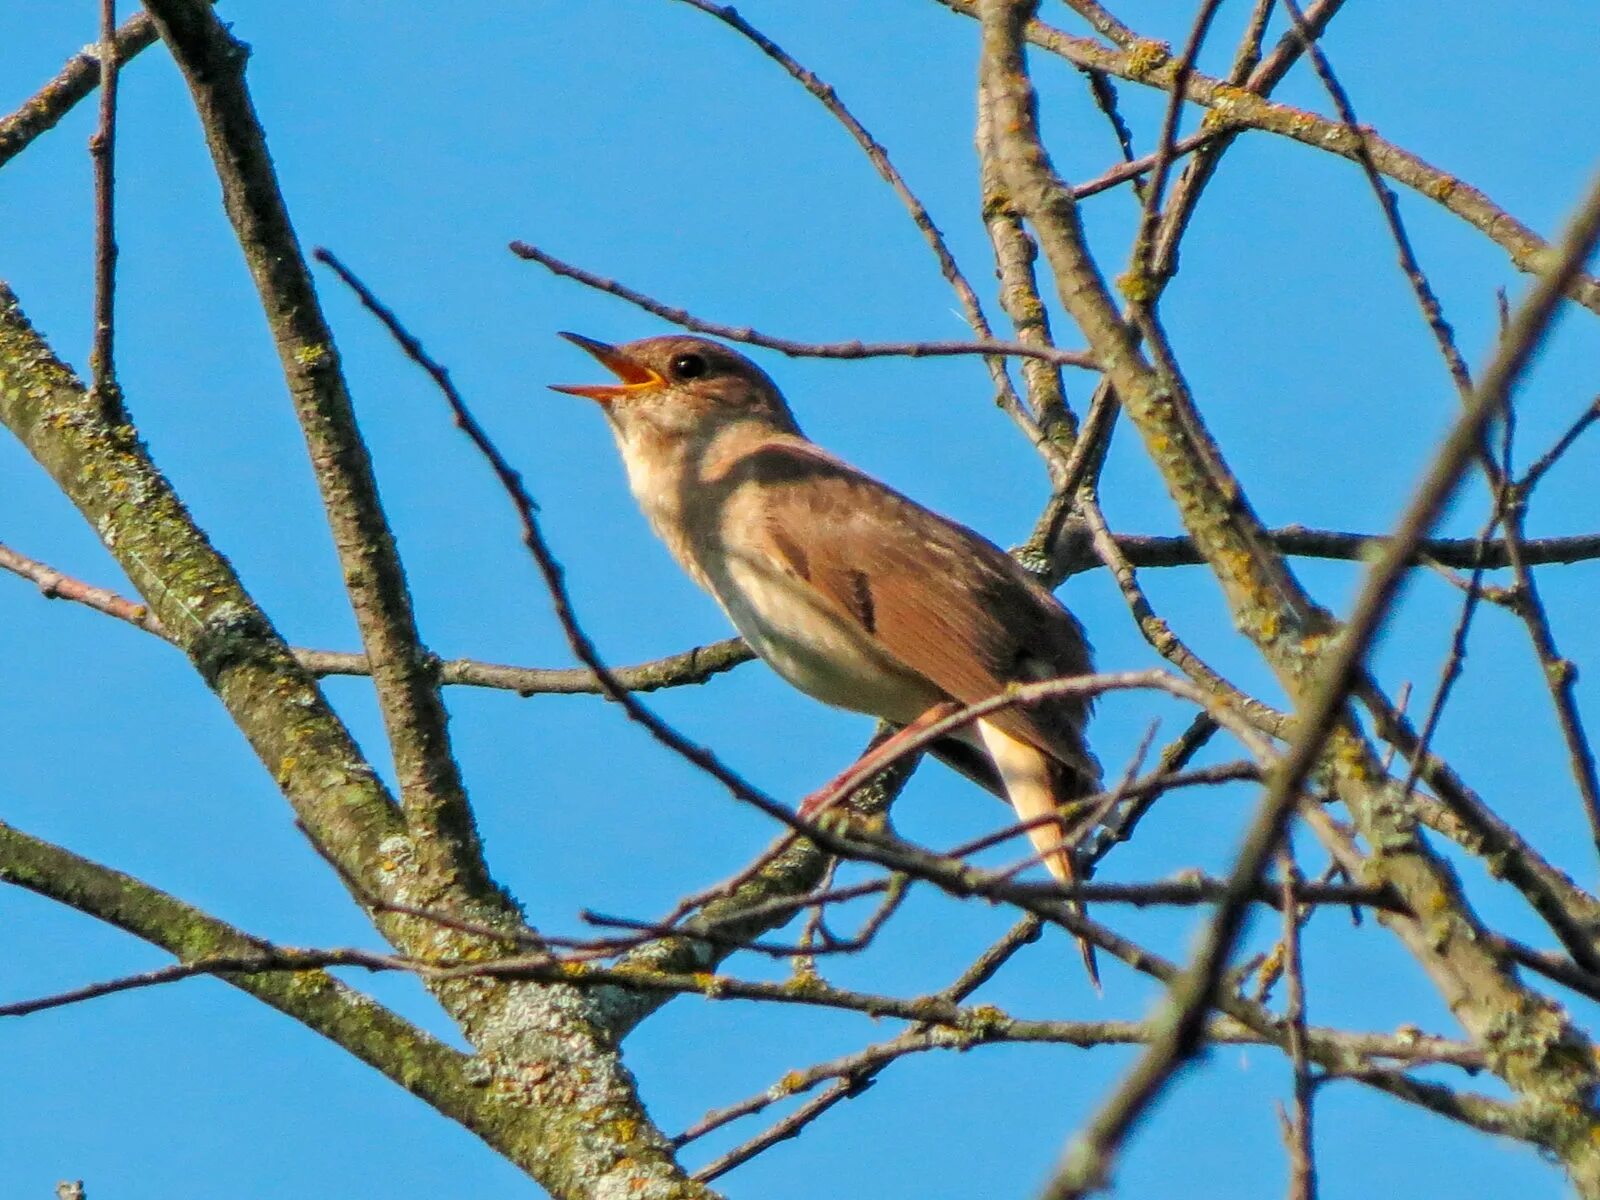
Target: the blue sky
pixel 644 141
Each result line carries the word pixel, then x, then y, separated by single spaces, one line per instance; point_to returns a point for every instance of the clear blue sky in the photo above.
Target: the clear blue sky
pixel 644 141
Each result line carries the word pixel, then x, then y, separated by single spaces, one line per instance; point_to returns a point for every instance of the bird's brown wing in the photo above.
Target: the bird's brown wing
pixel 940 599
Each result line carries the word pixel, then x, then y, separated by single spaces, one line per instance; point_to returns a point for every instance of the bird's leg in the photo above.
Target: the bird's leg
pixel 875 759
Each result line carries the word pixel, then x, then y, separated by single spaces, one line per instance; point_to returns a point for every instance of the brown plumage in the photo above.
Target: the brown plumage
pixel 851 591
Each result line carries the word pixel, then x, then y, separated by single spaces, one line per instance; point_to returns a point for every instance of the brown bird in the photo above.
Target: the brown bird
pixel 854 593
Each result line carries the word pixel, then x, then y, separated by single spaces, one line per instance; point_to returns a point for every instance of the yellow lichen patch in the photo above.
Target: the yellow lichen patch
pixel 1028 310
pixel 1225 96
pixel 1136 286
pixel 997 204
pixel 802 983
pixel 286 767
pixel 710 985
pixel 1560 671
pixel 789 1083
pixel 1268 626
pixel 310 356
pixel 1441 189
pixel 984 1021
pixel 1147 55
pixel 1271 969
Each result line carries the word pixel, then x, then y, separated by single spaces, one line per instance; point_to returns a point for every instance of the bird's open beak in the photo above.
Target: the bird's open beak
pixel 634 376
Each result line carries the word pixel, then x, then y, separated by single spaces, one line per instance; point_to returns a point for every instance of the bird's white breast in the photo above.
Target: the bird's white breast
pixel 717 537
pixel 823 654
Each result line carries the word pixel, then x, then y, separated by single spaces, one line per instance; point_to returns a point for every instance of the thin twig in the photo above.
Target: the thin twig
pixel 971 306
pixel 795 349
pixel 1104 23
pixel 549 569
pixel 1158 633
pixel 692 666
pixel 1389 203
pixel 1104 93
pixel 1302 1161
pixel 103 152
pixel 1175 756
pixel 1455 661
pixel 1155 187
pixel 1560 674
pixel 1247 56
pixel 1565 442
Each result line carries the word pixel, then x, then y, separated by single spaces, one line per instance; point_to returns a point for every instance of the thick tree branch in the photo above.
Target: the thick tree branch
pixel 551 1039
pixel 213 62
pixel 1270 607
pixel 448 1080
pixel 1151 64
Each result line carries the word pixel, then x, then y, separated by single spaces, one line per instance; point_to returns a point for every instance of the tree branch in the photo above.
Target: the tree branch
pixel 1150 64
pixel 1273 611
pixel 459 1087
pixel 547 1036
pixel 75 81
pixel 431 792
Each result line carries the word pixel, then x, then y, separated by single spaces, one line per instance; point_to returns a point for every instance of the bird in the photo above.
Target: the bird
pixel 850 590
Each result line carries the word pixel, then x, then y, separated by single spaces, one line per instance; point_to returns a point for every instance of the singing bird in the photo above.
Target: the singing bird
pixel 851 591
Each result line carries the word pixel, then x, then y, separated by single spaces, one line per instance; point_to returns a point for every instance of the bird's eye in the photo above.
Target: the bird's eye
pixel 689 366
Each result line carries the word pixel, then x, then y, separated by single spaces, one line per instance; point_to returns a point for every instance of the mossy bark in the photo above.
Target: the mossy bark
pixel 1526 1036
pixel 570 1114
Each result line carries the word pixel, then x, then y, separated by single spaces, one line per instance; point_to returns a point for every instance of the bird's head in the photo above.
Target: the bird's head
pixel 680 387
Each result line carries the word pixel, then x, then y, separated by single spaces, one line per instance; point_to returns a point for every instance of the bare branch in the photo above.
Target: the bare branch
pixel 535 1032
pixel 1150 64
pixel 1550 457
pixel 748 336
pixel 1155 187
pixel 1388 202
pixel 103 151
pixel 1275 612
pixel 1005 394
pixel 1560 674
pixel 431 792
pixel 1302 1160
pixel 76 80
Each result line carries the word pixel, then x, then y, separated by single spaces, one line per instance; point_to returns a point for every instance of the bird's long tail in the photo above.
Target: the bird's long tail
pixel 1037 786
pixel 1058 859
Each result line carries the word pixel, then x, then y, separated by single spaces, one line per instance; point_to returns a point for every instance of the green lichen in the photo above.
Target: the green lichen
pixel 1147 56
